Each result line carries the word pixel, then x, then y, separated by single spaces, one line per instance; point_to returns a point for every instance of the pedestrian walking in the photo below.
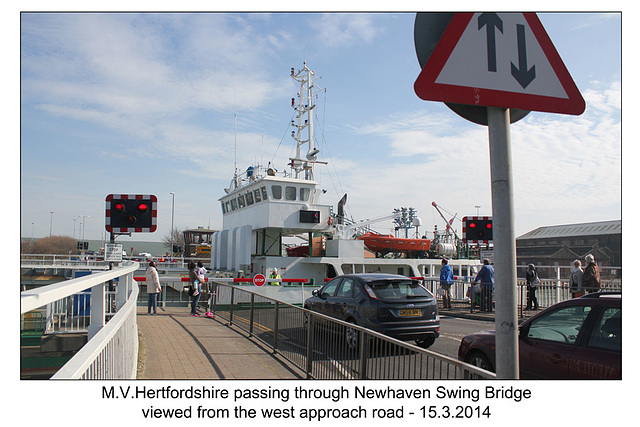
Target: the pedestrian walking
pixel 194 289
pixel 591 275
pixel 532 286
pixel 486 278
pixel 446 280
pixel 575 280
pixel 153 287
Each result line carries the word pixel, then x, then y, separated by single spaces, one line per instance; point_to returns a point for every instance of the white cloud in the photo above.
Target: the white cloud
pixel 563 167
pixel 337 29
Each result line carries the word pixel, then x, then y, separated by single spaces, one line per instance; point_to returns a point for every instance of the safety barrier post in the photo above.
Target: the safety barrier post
pixel 253 298
pixel 363 349
pixel 97 310
pixel 310 332
pixel 275 327
pixel 232 302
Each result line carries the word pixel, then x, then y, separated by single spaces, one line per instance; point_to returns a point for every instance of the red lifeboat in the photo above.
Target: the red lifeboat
pixel 385 243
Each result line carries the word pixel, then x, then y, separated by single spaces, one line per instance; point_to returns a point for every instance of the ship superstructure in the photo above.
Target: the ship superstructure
pixel 263 206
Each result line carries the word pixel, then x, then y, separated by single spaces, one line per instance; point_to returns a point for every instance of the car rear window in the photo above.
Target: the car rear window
pixel 398 289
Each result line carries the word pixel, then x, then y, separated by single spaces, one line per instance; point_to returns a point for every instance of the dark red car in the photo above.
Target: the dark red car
pixel 579 338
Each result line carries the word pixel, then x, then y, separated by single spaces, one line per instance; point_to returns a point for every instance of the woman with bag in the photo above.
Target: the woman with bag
pixel 153 287
pixel 194 289
pixel 532 285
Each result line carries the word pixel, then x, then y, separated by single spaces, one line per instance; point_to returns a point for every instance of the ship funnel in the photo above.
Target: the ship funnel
pixel 341 204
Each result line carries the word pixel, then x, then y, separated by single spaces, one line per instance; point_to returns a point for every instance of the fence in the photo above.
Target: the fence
pixel 112 349
pixel 327 348
pixel 465 296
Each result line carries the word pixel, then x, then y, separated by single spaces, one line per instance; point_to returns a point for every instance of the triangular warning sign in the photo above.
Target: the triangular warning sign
pixel 499 60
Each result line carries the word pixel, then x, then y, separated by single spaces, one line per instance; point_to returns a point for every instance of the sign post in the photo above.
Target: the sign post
pixel 504 243
pixel 498 61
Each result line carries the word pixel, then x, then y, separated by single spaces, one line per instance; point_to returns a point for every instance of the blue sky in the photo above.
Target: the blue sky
pixel 144 103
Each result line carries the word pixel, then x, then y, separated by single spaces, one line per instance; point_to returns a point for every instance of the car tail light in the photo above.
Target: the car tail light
pixel 370 292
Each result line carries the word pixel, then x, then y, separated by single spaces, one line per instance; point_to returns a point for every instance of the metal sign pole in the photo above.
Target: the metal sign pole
pixel 507 366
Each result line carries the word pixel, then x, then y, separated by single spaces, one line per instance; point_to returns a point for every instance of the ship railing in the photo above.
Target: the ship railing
pixel 109 319
pixel 327 348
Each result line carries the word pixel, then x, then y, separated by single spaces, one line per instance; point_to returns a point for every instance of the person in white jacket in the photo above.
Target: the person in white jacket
pixel 153 287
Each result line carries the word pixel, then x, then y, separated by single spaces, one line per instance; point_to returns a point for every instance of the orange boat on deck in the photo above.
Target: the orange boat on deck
pixel 385 243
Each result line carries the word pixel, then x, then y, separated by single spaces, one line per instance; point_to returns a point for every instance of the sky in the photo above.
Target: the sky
pixel 155 103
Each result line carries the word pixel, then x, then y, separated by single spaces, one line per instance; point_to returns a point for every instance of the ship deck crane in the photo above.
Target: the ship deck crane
pixel 449 223
pixel 347 231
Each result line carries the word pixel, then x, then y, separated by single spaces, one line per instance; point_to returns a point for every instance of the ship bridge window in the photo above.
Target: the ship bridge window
pixel 234 204
pixel 304 194
pixel 276 192
pixel 256 195
pixel 249 198
pixel 227 207
pixel 241 202
pixel 290 193
pixel 223 210
pixel 264 193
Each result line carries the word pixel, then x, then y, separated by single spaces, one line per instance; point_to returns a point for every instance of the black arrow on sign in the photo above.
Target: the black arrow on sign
pixel 492 21
pixel 521 74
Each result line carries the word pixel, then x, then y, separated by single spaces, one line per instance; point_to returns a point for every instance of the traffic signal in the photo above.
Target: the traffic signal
pixel 477 229
pixel 131 213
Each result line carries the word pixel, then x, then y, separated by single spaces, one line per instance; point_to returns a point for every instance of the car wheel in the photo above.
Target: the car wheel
pixel 426 341
pixel 479 360
pixel 351 336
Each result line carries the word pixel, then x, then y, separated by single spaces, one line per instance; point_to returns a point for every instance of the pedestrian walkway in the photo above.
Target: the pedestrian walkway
pixel 175 345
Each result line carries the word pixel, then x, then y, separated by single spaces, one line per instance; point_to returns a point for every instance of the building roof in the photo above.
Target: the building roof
pixel 572 230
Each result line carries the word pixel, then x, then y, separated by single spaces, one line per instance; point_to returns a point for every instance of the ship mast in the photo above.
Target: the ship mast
pixel 304 123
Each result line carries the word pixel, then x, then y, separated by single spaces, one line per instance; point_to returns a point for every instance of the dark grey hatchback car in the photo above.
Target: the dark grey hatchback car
pixel 391 304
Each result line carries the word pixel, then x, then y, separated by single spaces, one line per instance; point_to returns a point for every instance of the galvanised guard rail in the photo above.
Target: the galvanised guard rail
pixel 327 348
pixel 112 349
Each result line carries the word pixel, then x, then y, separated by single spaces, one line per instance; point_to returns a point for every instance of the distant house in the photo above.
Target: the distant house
pixel 562 244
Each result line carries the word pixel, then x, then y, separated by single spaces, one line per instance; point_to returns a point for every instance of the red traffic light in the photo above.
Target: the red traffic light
pixel 127 213
pixel 477 229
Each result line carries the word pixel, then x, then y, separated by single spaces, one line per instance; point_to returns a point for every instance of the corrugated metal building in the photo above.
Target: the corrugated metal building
pixel 562 244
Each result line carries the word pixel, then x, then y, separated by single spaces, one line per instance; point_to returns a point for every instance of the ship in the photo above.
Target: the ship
pixel 263 207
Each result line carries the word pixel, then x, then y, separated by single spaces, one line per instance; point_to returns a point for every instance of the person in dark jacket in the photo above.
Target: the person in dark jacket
pixel 486 279
pixel 591 275
pixel 532 285
pixel 196 288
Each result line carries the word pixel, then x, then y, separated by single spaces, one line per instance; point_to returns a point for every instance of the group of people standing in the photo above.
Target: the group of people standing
pixel 196 280
pixel 482 289
pixel 580 281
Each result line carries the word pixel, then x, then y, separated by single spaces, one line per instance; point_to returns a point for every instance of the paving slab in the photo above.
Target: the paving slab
pixel 175 345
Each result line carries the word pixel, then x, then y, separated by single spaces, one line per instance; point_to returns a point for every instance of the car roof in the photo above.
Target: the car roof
pixel 371 277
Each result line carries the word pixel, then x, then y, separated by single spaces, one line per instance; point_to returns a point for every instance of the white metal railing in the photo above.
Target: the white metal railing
pixel 112 349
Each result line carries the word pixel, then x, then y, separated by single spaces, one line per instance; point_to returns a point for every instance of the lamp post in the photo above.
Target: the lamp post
pixel 84 220
pixel 173 199
pixel 51 224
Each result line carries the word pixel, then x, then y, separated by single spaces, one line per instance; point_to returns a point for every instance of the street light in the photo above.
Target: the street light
pixel 84 219
pixel 51 224
pixel 173 199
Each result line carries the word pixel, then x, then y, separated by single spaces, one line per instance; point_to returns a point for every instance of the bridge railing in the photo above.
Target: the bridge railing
pixel 327 348
pixel 467 296
pixel 112 348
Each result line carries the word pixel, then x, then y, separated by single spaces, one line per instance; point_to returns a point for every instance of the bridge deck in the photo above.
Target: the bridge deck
pixel 175 345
